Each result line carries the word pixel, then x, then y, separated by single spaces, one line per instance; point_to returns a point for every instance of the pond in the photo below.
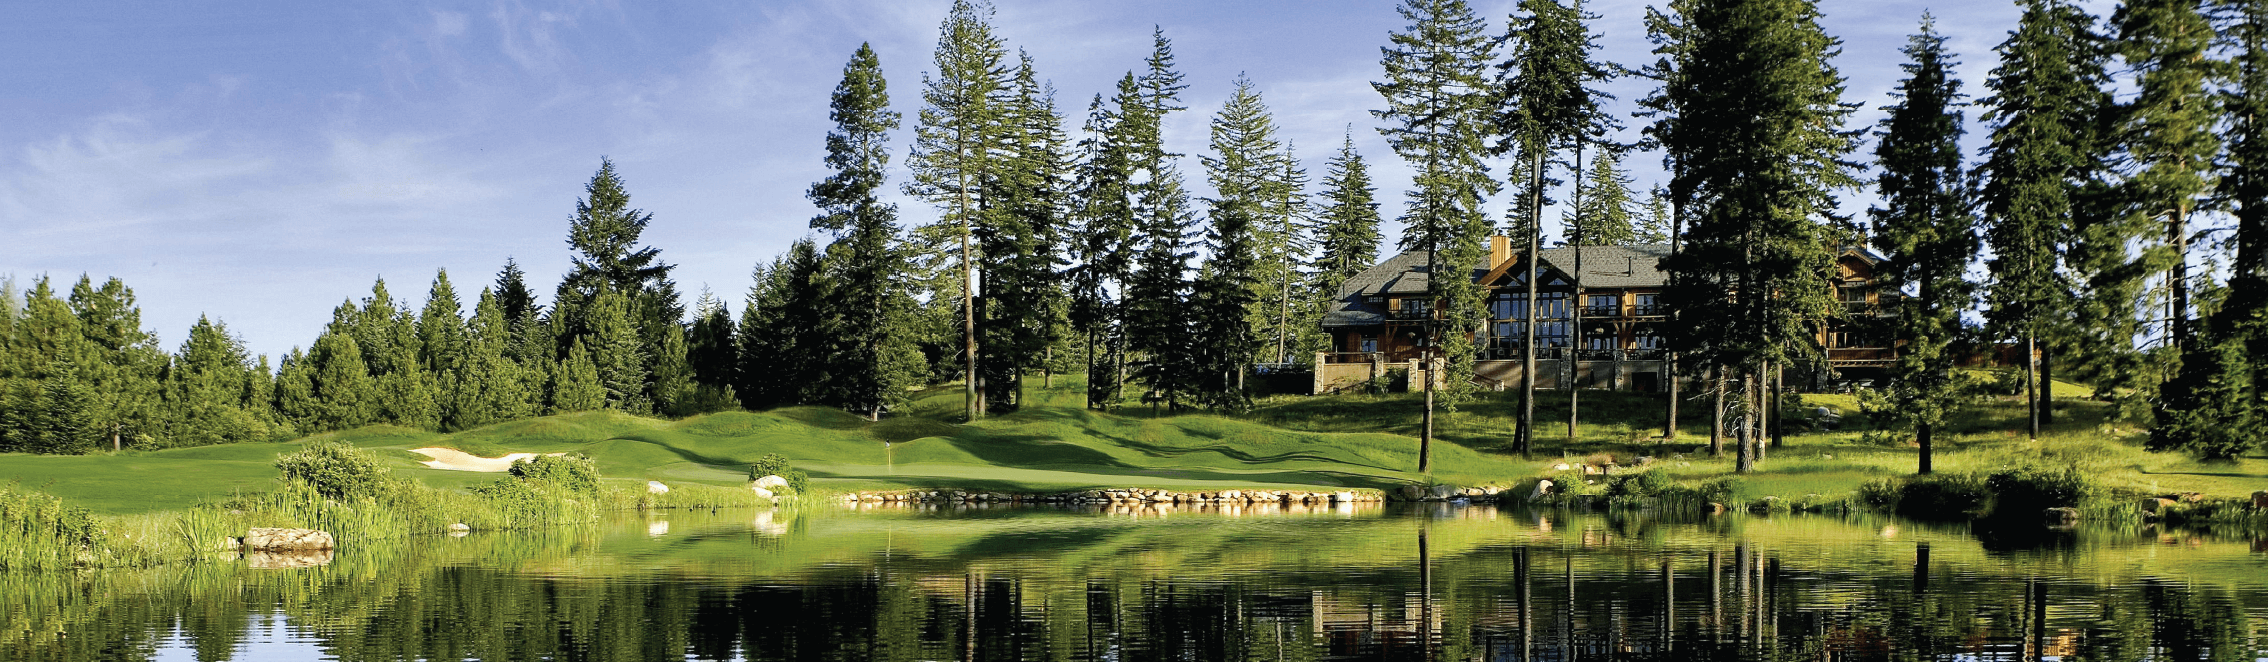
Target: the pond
pixel 1377 583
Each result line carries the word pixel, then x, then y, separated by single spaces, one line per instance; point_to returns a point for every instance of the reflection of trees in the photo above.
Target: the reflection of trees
pixel 1589 590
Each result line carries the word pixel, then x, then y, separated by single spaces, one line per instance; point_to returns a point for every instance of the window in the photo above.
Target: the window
pixel 1508 306
pixel 1374 299
pixel 1602 305
pixel 1602 342
pixel 1367 343
pixel 1646 340
pixel 1416 307
pixel 1551 305
pixel 1854 296
pixel 1648 304
pixel 1552 334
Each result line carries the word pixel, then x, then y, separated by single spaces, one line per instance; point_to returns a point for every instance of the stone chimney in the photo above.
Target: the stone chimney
pixel 1499 250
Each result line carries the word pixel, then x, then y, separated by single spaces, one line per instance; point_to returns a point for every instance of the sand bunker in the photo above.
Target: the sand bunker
pixel 456 460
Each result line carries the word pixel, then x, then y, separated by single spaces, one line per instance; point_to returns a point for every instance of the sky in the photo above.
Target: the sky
pixel 259 163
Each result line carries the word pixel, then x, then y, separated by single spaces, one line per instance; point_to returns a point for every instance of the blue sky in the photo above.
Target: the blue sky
pixel 261 162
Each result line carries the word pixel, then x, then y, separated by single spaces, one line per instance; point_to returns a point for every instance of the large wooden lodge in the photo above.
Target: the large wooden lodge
pixel 1377 324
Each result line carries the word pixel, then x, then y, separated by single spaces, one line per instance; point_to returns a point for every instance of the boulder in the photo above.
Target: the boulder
pixel 289 559
pixel 459 529
pixel 2156 506
pixel 655 487
pixel 1342 497
pixel 1412 492
pixel 1441 492
pixel 2061 516
pixel 774 483
pixel 1560 467
pixel 287 540
pixel 1543 488
pixel 761 492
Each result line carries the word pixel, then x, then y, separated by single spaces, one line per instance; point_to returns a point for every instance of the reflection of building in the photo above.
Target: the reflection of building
pixel 1611 339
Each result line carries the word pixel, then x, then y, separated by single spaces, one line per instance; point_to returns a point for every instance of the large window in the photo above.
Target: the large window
pixel 1552 334
pixel 1367 343
pixel 1648 304
pixel 1416 307
pixel 1602 305
pixel 1551 305
pixel 1508 306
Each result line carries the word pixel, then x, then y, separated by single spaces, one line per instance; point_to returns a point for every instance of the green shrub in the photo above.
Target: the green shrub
pixel 574 473
pixel 775 464
pixel 338 471
pixel 1881 493
pixel 2027 490
pixel 1944 496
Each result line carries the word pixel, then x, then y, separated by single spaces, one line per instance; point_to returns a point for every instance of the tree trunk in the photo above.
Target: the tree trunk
pixel 1760 389
pixel 1047 370
pixel 1575 302
pixel 972 393
pixel 2032 380
pixel 1744 459
pixel 1775 414
pixel 1425 435
pixel 1922 435
pixel 2177 278
pixel 1525 434
pixel 1717 403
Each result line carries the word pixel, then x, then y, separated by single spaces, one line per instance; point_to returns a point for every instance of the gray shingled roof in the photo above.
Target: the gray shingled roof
pixel 1603 266
pixel 1613 266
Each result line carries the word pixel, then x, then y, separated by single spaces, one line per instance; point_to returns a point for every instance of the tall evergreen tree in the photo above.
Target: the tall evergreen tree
pixel 1024 203
pixel 2046 104
pixel 577 385
pixel 1103 201
pixel 1606 215
pixel 1346 232
pixel 212 391
pixel 1751 119
pixel 866 314
pixel 1548 105
pixel 958 125
pixel 782 332
pixel 1224 298
pixel 618 352
pixel 2169 131
pixel 713 351
pixel 117 363
pixel 2218 399
pixel 1438 106
pixel 1927 233
pixel 1157 317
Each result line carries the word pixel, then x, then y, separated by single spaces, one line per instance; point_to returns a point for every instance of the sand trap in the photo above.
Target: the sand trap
pixel 456 460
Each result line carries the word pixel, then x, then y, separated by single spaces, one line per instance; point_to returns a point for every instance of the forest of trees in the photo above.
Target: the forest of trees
pixel 2121 240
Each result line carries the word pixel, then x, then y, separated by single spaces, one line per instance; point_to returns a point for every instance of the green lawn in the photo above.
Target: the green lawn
pixel 1288 442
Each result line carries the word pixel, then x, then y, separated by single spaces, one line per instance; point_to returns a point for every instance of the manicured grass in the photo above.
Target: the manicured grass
pixel 1055 444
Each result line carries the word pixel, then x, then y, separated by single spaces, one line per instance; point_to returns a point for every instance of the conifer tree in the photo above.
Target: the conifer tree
pixel 1656 226
pixel 518 305
pixel 618 352
pixel 1103 200
pixel 578 387
pixel 117 362
pixel 1438 107
pixel 343 394
pixel 441 350
pixel 2169 132
pixel 783 336
pixel 212 391
pixel 1606 216
pixel 1024 202
pixel 958 124
pixel 1223 301
pixel 1157 318
pixel 1750 116
pixel 2215 404
pixel 1927 233
pixel 1548 106
pixel 866 313
pixel 713 351
pixel 1346 233
pixel 2047 99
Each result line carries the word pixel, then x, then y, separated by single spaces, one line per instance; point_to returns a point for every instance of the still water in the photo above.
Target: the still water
pixel 1426 583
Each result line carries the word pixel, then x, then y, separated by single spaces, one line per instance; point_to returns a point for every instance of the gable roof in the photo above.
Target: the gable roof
pixel 1406 273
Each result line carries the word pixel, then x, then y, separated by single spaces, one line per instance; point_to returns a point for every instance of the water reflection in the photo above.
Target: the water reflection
pixel 994 583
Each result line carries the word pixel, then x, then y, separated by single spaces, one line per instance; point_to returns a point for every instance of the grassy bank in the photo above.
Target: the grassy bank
pixel 1055 444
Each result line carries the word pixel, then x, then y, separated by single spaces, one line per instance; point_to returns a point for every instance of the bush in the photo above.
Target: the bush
pixel 775 464
pixel 2027 490
pixel 338 471
pixel 1881 493
pixel 1944 496
pixel 573 473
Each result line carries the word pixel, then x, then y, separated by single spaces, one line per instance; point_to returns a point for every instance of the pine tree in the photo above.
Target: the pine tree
pixel 344 395
pixel 1257 171
pixel 2169 132
pixel 578 387
pixel 713 350
pixel 1438 108
pixel 617 352
pixel 1548 106
pixel 865 314
pixel 604 233
pixel 783 334
pixel 1927 233
pixel 1606 216
pixel 1103 201
pixel 212 392
pixel 442 350
pixel 1657 224
pixel 118 363
pixel 1751 119
pixel 1224 299
pixel 1157 318
pixel 2215 404
pixel 958 124
pixel 1347 230
pixel 2047 98
pixel 1024 202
